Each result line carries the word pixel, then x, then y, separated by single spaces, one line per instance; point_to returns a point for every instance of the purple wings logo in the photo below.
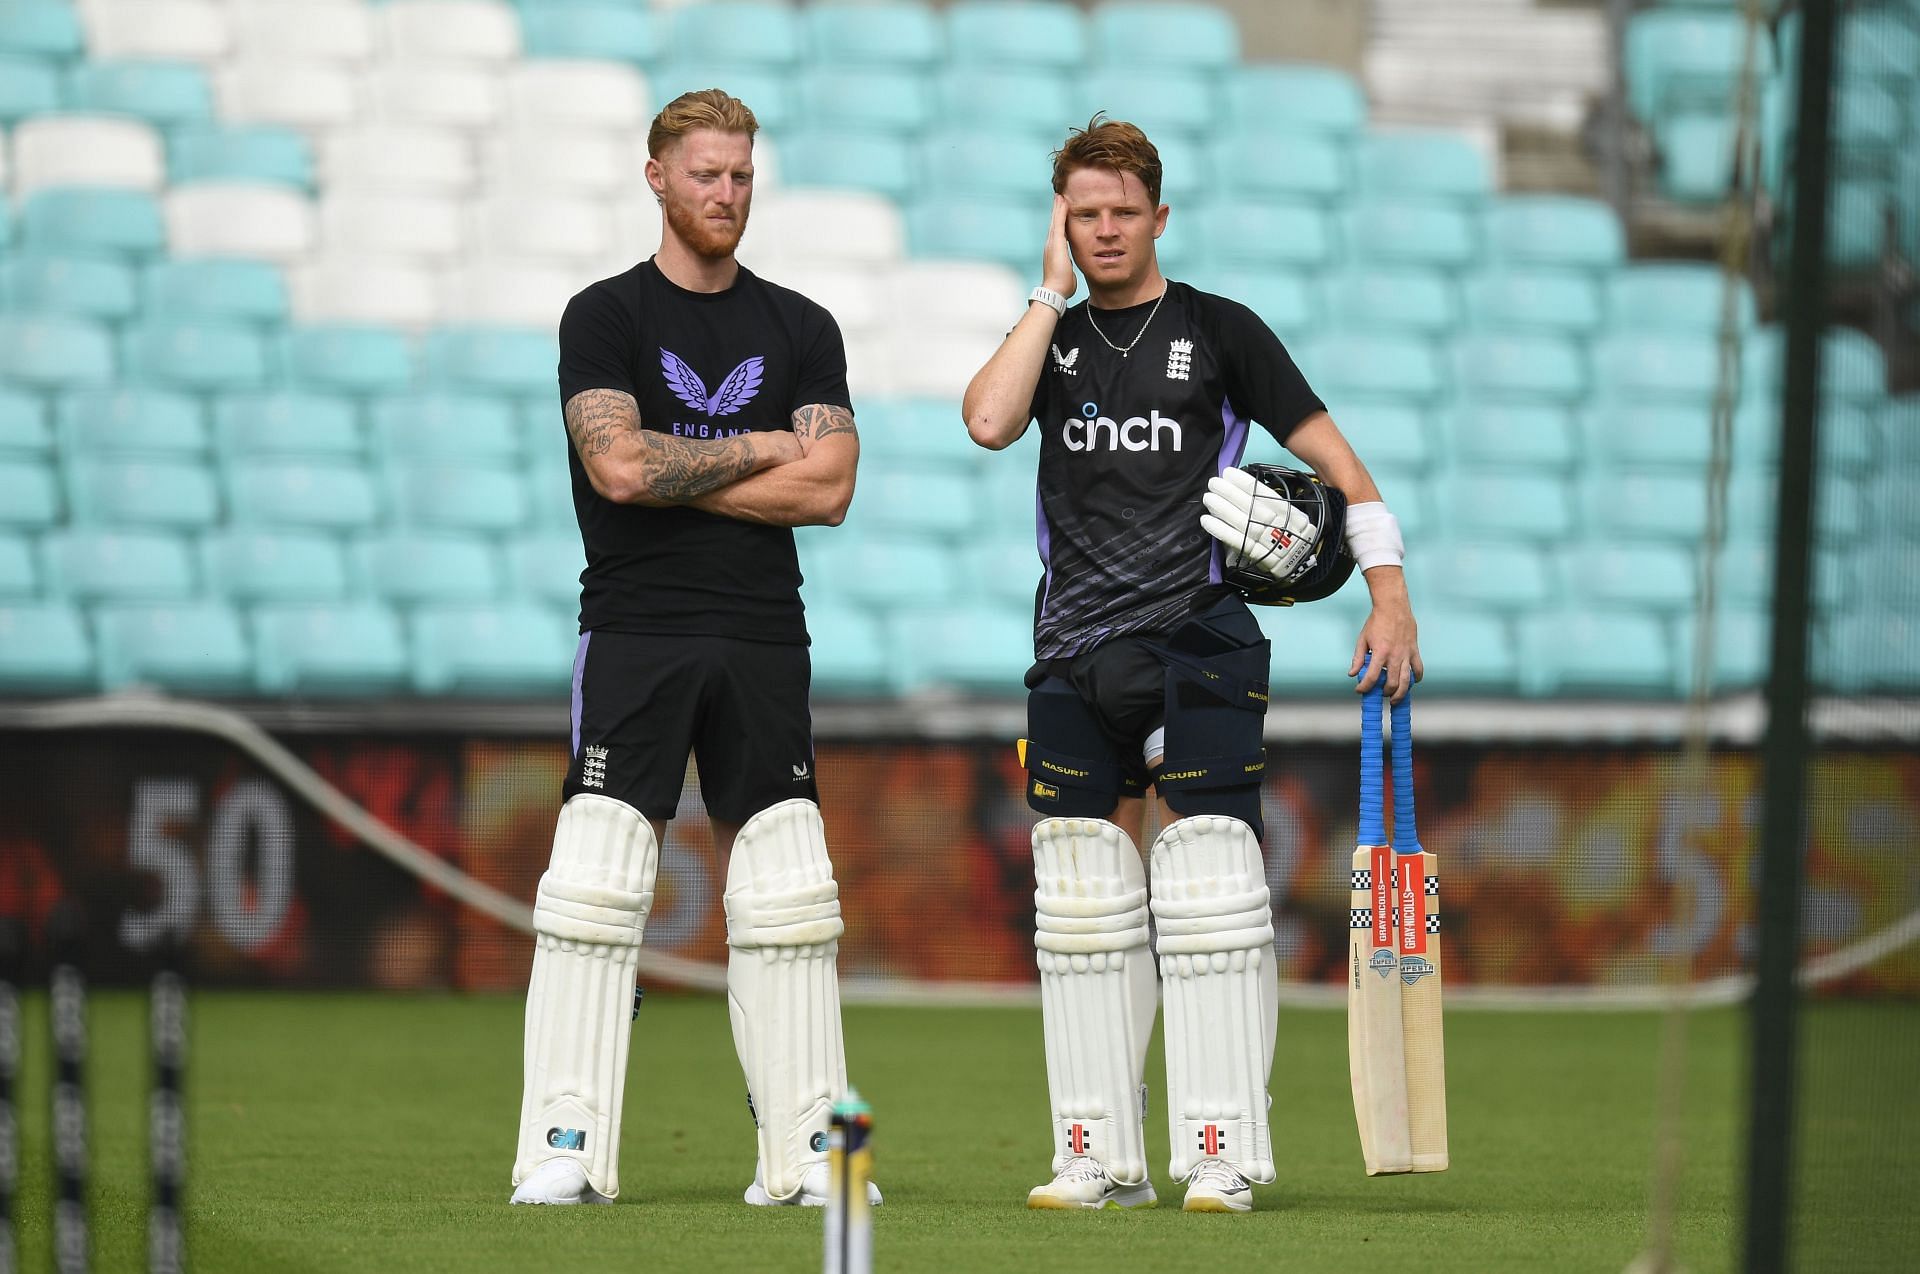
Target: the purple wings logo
pixel 735 392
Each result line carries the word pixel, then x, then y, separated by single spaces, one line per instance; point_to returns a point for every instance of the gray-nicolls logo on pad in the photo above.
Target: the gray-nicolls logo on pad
pixel 1179 360
pixel 593 766
pixel 1064 363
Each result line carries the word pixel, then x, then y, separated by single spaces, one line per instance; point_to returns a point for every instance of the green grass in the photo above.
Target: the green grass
pixel 376 1133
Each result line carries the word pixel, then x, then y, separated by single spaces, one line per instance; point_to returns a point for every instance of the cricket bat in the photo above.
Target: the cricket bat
pixel 1418 881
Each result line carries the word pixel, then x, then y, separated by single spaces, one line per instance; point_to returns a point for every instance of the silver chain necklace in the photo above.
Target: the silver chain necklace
pixel 1122 350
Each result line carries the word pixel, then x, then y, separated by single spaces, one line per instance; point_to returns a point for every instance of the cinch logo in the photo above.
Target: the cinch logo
pixel 1135 433
pixel 567 1138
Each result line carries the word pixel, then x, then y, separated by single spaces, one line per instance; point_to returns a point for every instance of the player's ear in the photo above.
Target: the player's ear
pixel 656 176
pixel 1160 220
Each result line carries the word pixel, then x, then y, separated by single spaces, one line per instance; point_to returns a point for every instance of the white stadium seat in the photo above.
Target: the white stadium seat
pixel 397 157
pixel 390 224
pixel 853 296
pixel 570 161
pixel 297 93
pixel 816 225
pixel 323 30
pixel 636 230
pixel 513 293
pixel 449 30
pixel 238 219
pixel 543 228
pixel 190 30
pixel 937 364
pixel 86 150
pixel 869 367
pixel 446 94
pixel 360 290
pixel 576 92
pixel 972 294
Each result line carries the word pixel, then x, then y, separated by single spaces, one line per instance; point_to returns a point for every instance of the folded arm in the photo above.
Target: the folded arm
pixel 814 490
pixel 631 465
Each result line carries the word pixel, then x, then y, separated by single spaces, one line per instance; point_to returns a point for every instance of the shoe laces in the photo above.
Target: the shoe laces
pixel 1082 1168
pixel 1217 1173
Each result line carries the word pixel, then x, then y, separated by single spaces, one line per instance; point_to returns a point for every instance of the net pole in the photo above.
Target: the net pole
pixel 1783 752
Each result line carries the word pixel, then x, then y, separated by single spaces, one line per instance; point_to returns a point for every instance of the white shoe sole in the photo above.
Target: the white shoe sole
pixel 1218 1203
pixel 1125 1198
pixel 562 1186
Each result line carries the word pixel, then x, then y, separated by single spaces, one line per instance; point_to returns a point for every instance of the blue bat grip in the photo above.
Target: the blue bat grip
pixel 1372 810
pixel 1405 839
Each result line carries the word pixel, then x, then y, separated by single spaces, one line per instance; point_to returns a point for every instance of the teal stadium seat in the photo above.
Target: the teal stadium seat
pixel 1871 650
pixel 286 422
pixel 1514 504
pixel 1289 164
pixel 1388 297
pixel 1663 295
pixel 1508 365
pixel 1419 232
pixel 93 287
pixel 93 219
pixel 439 424
pixel 1899 431
pixel 345 650
pixel 1744 570
pixel 849 652
pixel 1465 651
pixel 1740 649
pixel 1852 367
pixel 1679 57
pixel 44 647
pixel 1388 435
pixel 350 359
pixel 130 421
pixel 550 494
pixel 1371 365
pixel 1035 98
pixel 982 649
pixel 886 572
pixel 1497 575
pixel 868 99
pixel 922 498
pixel 916 429
pixel 24 430
pixel 545 565
pixel 1840 512
pixel 1245 233
pixel 422 567
pixel 1159 100
pixel 1555 230
pixel 476 498
pixel 49 351
pixel 1199 37
pixel 1695 155
pixel 1186 169
pixel 220 288
pixel 842 158
pixel 600 29
pixel 1645 504
pixel 767 88
pixel 325 494
pixel 501 360
pixel 199 646
pixel 1606 652
pixel 161 93
pixel 178 494
pixel 1678 366
pixel 1421 164
pixel 1645 577
pixel 1849 436
pixel 1562 302
pixel 1044 32
pixel 28 86
pixel 96 564
pixel 29 494
pixel 1312 647
pixel 1287 301
pixel 251 567
pixel 239 152
pixel 1496 432
pixel 1002 568
pixel 979 227
pixel 1295 95
pixel 19 572
pixel 1631 433
pixel 502 649
pixel 759 34
pixel 903 35
pixel 204 355
pixel 41 28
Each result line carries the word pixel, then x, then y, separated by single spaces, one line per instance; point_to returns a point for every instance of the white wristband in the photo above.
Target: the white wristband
pixel 1050 298
pixel 1373 536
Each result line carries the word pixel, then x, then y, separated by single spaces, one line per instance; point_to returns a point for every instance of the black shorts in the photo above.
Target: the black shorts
pixel 643 701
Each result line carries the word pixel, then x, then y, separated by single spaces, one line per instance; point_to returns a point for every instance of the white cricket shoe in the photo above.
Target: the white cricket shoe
pixel 558 1181
pixel 814 1184
pixel 1084 1183
pixel 1217 1186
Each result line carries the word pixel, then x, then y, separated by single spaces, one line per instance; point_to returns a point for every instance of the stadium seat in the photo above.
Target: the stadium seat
pixel 821 227
pixel 1032 98
pixel 933 364
pixel 51 352
pixel 51 151
pixel 1157 99
pixel 216 288
pixel 443 425
pixel 28 86
pixel 161 93
pixel 1001 230
pixel 738 31
pixel 1001 569
pixel 1465 651
pixel 1295 95
pixel 1650 433
pixel 486 32
pixel 570 95
pixel 886 571
pixel 1507 505
pixel 41 28
pixel 191 646
pixel 352 287
pixel 130 421
pixel 349 359
pixel 44 647
pixel 1386 297
pixel 545 566
pixel 1427 163
pixel 493 360
pixel 1005 163
pixel 1604 652
pixel 265 30
pixel 848 159
pixel 1046 32
pixel 19 573
pixel 1555 230
pixel 391 224
pixel 1512 366
pixel 1840 512
pixel 1564 302
pixel 1524 434
pixel 256 219
pixel 1740 649
pixel 1899 421
pixel 392 159
pixel 1199 37
pixel 546 228
pixel 194 30
pixel 500 649
pixel 917 499
pixel 1851 365
pixel 984 650
pixel 248 566
pixel 286 423
pixel 923 430
pixel 204 355
pixel 1646 577
pixel 1645 504
pixel 348 649
pixel 1662 295
pixel 1695 155
pixel 1312 647
pixel 98 564
pixel 297 92
pixel 1871 650
pixel 458 496
pixel 1678 366
pixel 1496 575
pixel 580 29
pixel 1848 437
pixel 1371 365
pixel 1677 56
pixel 562 163
pixel 300 492
pixel 84 286
pixel 414 567
pixel 1744 569
pixel 156 491
pixel 903 35
pixel 24 430
pixel 1243 233
pixel 1389 435
pixel 896 100
pixel 81 219
pixel 1420 232
pixel 441 94
pixel 1287 301
pixel 849 652
pixel 550 493
pixel 1289 164
pixel 29 494
pixel 973 294
pixel 766 88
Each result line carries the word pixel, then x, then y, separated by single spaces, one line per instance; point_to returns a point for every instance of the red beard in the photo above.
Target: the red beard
pixel 715 241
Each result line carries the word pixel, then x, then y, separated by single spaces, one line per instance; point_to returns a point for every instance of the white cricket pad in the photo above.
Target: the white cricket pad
pixel 1215 923
pixel 783 991
pixel 588 916
pixel 1097 991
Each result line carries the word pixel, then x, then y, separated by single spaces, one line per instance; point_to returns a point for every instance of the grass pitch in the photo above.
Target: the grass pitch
pixel 375 1132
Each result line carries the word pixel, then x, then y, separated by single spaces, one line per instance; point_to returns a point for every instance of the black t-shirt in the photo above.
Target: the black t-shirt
pixel 700 365
pixel 1127 444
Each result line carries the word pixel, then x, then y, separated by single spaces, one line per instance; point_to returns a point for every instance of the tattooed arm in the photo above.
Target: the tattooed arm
pixel 814 490
pixel 631 465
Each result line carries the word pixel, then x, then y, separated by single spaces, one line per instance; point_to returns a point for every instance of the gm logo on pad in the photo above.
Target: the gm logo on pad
pixel 818 1142
pixel 567 1138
